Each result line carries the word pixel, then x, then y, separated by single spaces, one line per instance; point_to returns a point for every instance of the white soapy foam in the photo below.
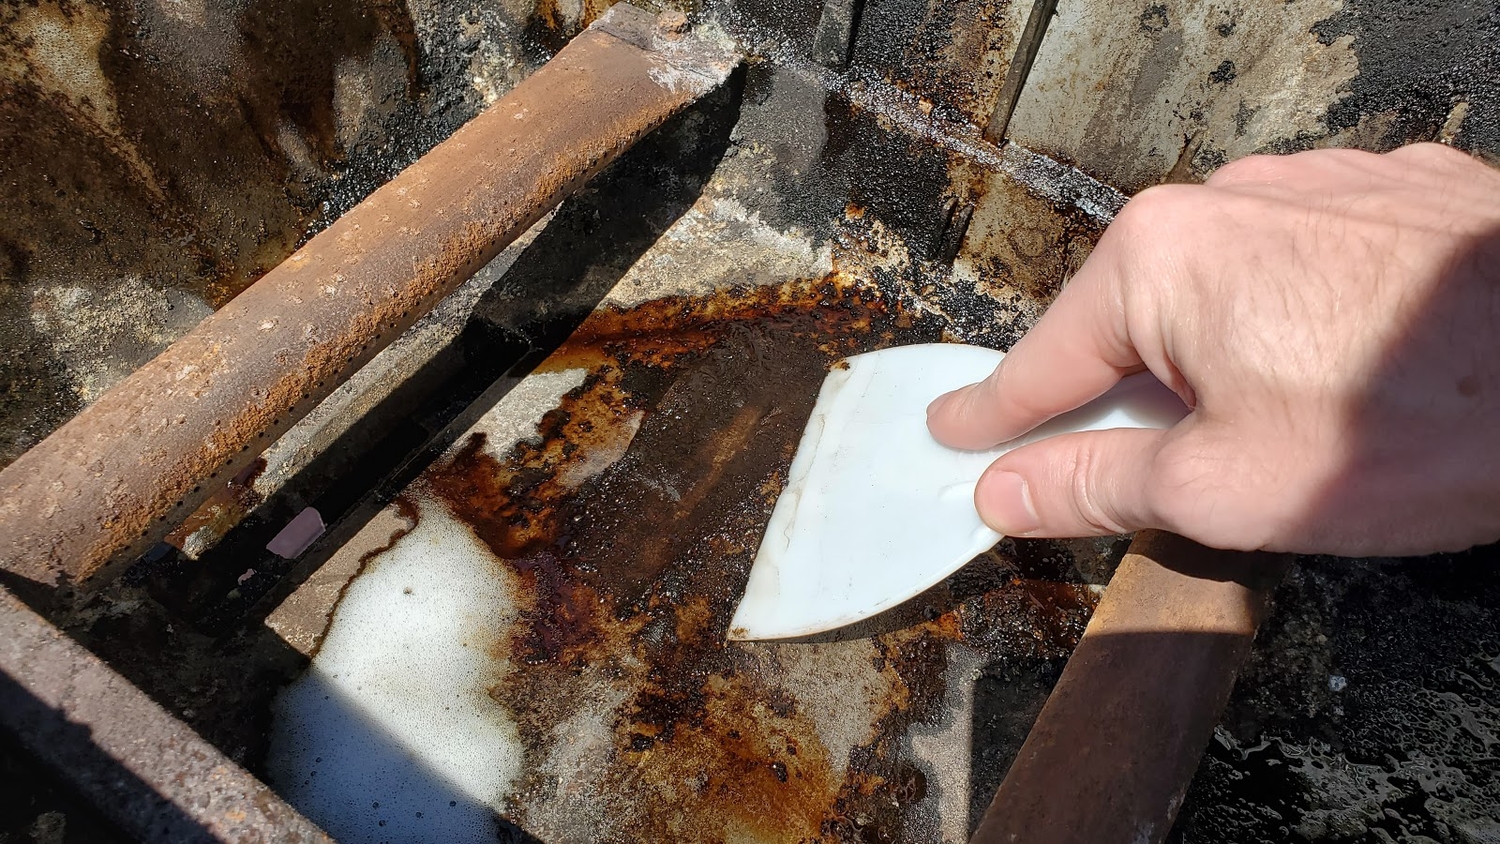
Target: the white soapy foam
pixel 391 735
pixel 393 721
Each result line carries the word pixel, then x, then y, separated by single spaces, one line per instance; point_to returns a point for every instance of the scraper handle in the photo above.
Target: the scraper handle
pixel 1110 756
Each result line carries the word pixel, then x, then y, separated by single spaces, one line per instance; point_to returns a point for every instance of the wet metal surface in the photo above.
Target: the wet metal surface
pixel 1113 750
pixel 245 374
pixel 1368 712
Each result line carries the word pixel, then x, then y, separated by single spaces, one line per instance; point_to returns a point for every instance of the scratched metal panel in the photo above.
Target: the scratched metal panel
pixel 1141 93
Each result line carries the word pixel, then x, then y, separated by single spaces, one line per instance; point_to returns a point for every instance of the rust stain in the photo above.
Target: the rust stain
pixel 629 574
pixel 220 513
pixel 1022 243
pixel 407 511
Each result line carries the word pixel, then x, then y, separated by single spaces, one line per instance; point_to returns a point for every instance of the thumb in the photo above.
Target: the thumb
pixel 1093 483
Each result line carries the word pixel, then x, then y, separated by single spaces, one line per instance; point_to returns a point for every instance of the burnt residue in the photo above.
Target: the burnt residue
pixel 1369 710
pixel 552 24
pixel 712 393
pixel 894 177
pixel 1008 696
pixel 631 564
pixel 221 512
pixel 951 54
pixel 1417 63
pixel 403 248
pixel 824 153
pixel 189 145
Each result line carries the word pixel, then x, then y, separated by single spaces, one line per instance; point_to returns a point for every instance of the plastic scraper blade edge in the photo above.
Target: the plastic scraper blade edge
pixel 875 511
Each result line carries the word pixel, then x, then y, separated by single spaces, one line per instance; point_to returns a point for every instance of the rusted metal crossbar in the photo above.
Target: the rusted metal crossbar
pixel 114 480
pixel 142 769
pixel 1113 750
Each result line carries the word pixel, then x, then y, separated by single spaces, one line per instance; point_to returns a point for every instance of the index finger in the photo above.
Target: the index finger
pixel 1078 349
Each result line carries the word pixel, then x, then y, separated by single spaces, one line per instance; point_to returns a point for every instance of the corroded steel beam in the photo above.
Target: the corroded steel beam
pixel 116 478
pixel 1109 758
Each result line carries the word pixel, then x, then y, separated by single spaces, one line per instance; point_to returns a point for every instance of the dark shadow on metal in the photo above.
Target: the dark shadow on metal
pixel 1117 751
pixel 556 281
pixel 620 215
pixel 347 790
pixel 1008 695
pixel 1114 748
pixel 139 767
pixel 96 782
pixel 95 732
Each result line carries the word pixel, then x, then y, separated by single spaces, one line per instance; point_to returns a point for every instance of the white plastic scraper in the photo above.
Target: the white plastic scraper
pixel 875 511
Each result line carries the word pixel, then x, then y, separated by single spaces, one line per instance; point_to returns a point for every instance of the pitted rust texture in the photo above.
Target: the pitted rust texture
pixel 630 522
pixel 113 479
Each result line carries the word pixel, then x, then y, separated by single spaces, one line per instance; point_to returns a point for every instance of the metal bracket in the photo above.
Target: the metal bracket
pixel 833 46
pixel 951 232
pixel 1020 68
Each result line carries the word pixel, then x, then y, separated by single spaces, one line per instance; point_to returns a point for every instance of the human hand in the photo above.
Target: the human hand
pixel 1333 320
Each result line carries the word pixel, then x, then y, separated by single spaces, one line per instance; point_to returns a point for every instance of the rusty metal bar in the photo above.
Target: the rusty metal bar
pixel 1020 68
pixel 144 770
pixel 1114 748
pixel 111 482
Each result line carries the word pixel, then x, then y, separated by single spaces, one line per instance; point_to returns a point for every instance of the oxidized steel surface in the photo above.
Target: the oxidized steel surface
pixel 141 768
pixel 1406 749
pixel 1111 754
pixel 625 528
pixel 115 478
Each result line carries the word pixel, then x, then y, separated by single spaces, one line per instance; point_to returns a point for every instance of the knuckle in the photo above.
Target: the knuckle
pixel 1429 153
pixel 1148 212
pixel 1250 169
pixel 1155 222
pixel 1001 398
pixel 1171 492
pixel 1197 493
pixel 1091 504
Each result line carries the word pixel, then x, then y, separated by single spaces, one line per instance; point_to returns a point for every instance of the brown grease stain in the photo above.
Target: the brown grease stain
pixel 629 575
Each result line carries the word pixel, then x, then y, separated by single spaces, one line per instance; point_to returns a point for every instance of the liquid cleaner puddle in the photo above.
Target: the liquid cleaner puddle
pixel 542 653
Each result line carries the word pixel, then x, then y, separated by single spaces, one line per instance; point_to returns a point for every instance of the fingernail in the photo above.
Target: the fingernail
pixel 1005 504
